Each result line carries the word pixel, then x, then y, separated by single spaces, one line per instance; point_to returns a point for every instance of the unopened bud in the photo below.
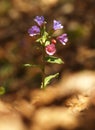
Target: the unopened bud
pixel 53 41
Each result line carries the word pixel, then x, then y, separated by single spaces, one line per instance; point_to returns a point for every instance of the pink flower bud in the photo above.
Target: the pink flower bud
pixel 50 49
pixel 53 41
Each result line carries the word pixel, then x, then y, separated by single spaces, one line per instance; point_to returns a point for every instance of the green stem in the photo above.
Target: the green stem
pixel 43 67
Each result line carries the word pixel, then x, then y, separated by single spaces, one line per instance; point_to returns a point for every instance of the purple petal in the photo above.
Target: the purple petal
pixel 63 38
pixel 34 30
pixel 39 20
pixel 57 25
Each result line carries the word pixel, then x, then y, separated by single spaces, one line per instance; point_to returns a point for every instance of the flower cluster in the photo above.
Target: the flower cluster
pixel 48 45
pixel 40 30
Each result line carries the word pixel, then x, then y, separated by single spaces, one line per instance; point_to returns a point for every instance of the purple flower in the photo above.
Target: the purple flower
pixel 63 38
pixel 50 49
pixel 39 20
pixel 57 25
pixel 34 30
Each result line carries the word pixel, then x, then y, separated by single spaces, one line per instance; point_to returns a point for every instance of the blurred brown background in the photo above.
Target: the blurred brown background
pixel 18 48
pixel 16 17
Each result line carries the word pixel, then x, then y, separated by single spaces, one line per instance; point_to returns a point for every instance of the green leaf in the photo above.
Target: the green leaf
pixel 44 37
pixel 48 79
pixel 52 59
pixel 47 43
pixel 31 65
pixel 39 40
pixel 2 90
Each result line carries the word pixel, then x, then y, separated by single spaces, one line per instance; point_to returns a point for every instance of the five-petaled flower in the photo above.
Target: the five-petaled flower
pixel 34 30
pixel 63 38
pixel 50 49
pixel 57 25
pixel 38 29
pixel 39 20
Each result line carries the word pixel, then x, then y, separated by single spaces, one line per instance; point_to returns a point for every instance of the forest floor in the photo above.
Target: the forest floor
pixel 68 103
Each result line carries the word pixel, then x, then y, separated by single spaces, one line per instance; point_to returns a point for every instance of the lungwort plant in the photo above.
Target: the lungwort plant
pixel 47 43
